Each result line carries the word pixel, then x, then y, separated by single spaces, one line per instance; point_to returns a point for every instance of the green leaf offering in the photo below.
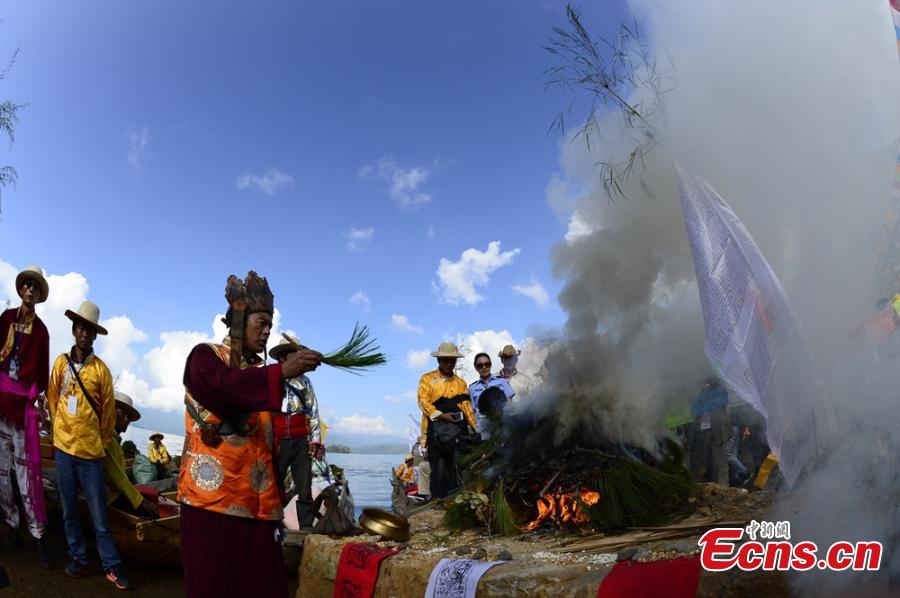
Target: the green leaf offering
pixel 359 354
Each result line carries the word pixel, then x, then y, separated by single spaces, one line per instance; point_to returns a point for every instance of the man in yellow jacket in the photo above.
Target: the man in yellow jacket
pixel 159 456
pixel 83 412
pixel 122 493
pixel 437 395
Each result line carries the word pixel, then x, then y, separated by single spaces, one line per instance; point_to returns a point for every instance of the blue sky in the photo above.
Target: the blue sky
pixel 340 149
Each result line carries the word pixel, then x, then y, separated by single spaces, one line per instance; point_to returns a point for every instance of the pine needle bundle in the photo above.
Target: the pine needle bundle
pixel 359 354
pixel 635 494
pixel 502 517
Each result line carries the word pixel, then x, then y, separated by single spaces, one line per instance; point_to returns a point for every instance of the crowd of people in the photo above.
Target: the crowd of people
pixel 86 417
pixel 725 440
pixel 455 415
pixel 249 426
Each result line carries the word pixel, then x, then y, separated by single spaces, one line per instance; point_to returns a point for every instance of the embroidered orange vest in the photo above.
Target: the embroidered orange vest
pixel 238 476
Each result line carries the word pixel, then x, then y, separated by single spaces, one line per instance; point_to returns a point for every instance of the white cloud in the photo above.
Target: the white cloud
pixel 404 185
pixel 116 347
pixel 358 239
pixel 361 424
pixel 416 360
pixel 534 291
pixel 152 380
pixel 360 300
pixel 138 140
pixel 491 342
pixel 165 364
pixel 401 323
pixel 268 182
pixel 458 280
pixel 403 397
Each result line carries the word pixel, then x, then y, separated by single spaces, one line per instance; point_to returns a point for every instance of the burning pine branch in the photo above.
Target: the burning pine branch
pixel 565 508
pixel 578 489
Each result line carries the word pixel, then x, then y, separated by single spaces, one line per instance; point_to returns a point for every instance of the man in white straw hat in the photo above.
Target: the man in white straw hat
pixel 298 434
pixel 521 383
pixel 443 396
pixel 123 494
pixel 24 367
pixel 83 412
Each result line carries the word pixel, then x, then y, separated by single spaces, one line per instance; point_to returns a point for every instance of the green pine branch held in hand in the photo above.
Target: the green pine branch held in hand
pixel 359 354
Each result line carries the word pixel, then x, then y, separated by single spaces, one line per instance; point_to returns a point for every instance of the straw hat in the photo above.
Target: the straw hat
pixel 447 350
pixel 125 402
pixel 408 457
pixel 156 435
pixel 282 349
pixel 88 313
pixel 33 273
pixel 508 351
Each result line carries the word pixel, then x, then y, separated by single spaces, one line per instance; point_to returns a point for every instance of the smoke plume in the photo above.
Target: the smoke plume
pixel 791 111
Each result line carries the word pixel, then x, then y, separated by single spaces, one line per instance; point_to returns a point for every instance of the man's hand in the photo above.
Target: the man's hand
pixel 313 448
pixel 446 417
pixel 151 509
pixel 299 362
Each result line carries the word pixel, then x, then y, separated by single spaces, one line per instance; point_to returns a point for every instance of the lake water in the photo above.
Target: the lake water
pixel 368 475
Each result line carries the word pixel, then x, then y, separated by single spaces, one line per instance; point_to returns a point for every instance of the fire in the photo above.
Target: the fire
pixel 562 508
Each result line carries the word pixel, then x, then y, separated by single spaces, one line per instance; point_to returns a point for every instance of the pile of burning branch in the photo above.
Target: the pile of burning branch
pixel 521 480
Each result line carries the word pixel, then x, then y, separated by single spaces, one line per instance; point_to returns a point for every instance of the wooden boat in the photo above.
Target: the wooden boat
pixel 151 542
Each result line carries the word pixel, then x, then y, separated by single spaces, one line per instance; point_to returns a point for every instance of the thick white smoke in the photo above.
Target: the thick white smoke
pixel 792 112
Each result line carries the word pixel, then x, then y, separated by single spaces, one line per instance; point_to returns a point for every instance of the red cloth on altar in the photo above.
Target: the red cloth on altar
pixel 672 578
pixel 358 570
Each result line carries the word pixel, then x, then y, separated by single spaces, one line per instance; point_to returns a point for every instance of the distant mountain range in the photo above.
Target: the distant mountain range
pixel 370 444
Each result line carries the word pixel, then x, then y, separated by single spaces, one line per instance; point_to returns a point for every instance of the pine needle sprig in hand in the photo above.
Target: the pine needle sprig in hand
pixel 360 353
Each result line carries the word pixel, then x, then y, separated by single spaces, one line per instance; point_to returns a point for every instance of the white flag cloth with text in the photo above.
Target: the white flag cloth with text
pixel 753 338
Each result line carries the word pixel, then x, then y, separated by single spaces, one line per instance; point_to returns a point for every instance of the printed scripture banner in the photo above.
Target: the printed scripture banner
pixel 753 337
pixel 457 578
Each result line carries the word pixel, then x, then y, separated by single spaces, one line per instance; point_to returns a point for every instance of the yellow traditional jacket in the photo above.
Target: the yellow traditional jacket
pixel 81 434
pixel 433 386
pixel 160 455
pixel 116 476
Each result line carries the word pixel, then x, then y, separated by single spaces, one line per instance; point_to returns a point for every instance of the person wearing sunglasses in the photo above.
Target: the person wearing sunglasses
pixel 485 410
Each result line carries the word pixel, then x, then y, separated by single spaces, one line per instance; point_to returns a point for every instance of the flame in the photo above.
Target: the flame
pixel 561 508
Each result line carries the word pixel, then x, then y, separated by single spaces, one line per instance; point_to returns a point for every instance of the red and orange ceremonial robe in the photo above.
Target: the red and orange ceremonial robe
pixel 231 504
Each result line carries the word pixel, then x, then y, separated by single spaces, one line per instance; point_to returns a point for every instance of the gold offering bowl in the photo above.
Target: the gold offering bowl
pixel 385 524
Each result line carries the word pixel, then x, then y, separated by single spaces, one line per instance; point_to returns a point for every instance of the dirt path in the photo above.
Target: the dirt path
pixel 29 580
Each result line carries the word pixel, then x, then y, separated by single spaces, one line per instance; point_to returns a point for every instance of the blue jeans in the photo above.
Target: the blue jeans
pixel 72 472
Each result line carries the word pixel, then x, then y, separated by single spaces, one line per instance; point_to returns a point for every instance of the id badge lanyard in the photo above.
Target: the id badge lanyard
pixel 14 360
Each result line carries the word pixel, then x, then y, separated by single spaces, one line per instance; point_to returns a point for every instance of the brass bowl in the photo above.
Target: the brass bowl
pixel 385 524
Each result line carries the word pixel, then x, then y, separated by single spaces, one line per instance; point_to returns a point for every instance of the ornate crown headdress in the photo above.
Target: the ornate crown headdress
pixel 245 297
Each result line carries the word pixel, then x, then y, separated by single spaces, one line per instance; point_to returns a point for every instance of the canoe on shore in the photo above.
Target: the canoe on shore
pixel 147 541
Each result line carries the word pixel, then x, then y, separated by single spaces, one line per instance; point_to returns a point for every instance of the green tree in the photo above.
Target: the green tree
pixel 619 74
pixel 9 117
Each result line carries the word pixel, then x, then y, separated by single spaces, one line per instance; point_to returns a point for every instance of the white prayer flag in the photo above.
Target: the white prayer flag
pixel 753 336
